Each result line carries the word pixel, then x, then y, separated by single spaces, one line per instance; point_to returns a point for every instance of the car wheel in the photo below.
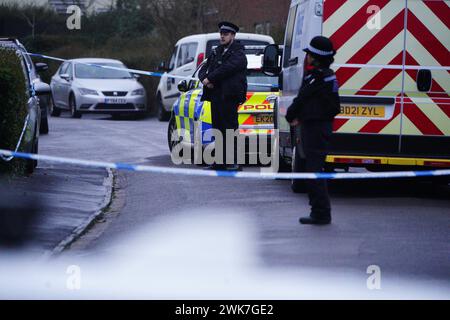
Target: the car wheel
pixel 30 165
pixel 163 115
pixel 36 151
pixel 283 165
pixel 172 132
pixel 44 125
pixel 197 150
pixel 53 109
pixel 73 108
pixel 298 165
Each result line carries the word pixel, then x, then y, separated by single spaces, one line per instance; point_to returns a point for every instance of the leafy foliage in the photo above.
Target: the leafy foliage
pixel 13 106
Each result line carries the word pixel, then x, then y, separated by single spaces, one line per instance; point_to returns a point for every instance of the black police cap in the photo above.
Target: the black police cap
pixel 228 27
pixel 321 46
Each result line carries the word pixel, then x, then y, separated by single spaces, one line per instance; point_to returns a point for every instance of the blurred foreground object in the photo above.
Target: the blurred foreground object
pixel 17 213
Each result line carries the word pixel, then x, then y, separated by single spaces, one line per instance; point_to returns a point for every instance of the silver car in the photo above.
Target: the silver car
pixel 85 86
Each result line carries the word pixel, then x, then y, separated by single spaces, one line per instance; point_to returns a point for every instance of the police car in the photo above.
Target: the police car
pixel 255 115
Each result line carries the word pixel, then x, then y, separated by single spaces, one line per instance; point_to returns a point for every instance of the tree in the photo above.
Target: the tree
pixel 33 15
pixel 177 18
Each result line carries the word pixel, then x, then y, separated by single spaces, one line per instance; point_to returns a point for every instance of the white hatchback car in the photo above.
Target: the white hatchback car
pixel 85 86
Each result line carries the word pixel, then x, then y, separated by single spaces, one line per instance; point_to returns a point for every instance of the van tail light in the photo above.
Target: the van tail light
pixel 200 59
pixel 357 161
pixel 436 164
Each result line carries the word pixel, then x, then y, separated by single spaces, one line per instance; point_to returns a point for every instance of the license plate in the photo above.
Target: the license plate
pixel 115 101
pixel 363 111
pixel 263 119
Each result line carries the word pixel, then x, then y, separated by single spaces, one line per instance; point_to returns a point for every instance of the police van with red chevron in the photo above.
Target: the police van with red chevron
pixel 393 69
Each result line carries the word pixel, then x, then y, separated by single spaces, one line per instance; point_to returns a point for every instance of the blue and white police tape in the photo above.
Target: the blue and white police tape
pixel 206 173
pixel 141 72
pixel 145 73
pixel 19 142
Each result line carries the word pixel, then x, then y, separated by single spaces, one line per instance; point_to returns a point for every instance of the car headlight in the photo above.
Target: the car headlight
pixel 138 92
pixel 85 92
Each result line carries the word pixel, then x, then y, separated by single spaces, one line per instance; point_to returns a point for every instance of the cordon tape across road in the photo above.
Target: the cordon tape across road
pixel 232 174
pixel 264 174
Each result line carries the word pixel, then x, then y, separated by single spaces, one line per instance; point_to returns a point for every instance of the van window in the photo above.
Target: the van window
pixel 173 59
pixel 187 54
pixel 258 77
pixel 215 43
pixel 299 29
pixel 289 36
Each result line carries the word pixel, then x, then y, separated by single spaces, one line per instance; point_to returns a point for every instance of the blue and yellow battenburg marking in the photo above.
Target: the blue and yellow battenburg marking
pixel 189 110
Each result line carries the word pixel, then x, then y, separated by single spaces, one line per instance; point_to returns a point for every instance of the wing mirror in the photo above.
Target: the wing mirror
pixel 272 60
pixel 183 86
pixel 42 89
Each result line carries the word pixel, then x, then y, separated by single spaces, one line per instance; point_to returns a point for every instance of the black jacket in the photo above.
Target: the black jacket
pixel 318 97
pixel 227 72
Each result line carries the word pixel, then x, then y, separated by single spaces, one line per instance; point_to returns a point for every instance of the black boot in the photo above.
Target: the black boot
pixel 311 220
pixel 216 167
pixel 234 167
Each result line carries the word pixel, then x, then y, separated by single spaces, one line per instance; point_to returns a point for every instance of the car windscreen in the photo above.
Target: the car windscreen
pixel 215 43
pixel 258 77
pixel 95 71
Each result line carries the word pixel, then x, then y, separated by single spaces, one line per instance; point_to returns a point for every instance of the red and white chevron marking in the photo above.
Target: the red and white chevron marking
pixel 427 39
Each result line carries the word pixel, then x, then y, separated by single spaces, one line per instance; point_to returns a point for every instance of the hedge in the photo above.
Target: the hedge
pixel 13 107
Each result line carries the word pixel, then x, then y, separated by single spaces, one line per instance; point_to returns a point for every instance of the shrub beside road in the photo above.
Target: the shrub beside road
pixel 13 107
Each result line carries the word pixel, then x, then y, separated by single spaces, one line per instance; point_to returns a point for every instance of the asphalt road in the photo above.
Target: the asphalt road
pixel 400 226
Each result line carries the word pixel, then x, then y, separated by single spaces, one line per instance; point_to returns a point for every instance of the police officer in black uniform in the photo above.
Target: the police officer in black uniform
pixel 314 109
pixel 224 79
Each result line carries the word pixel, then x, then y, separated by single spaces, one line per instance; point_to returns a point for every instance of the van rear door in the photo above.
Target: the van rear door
pixel 369 35
pixel 183 65
pixel 426 110
pixel 169 91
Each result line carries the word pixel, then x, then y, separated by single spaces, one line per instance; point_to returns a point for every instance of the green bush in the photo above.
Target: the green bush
pixel 13 106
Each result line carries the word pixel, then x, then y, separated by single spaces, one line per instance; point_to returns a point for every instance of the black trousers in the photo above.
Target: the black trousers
pixel 315 138
pixel 225 116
